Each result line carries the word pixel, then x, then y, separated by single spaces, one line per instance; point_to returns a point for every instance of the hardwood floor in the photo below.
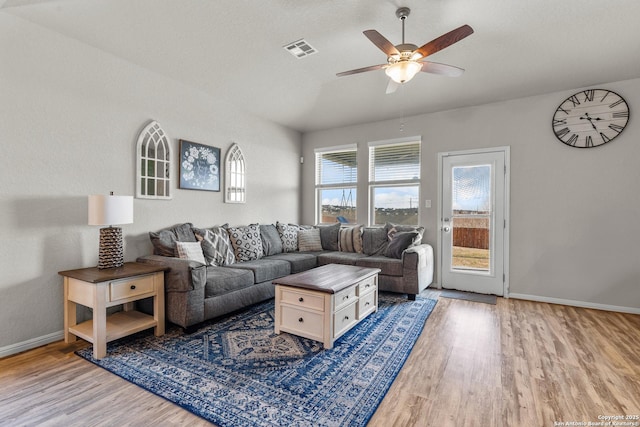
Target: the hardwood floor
pixel 517 363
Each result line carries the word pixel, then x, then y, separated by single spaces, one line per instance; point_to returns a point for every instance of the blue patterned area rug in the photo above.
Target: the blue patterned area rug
pixel 237 372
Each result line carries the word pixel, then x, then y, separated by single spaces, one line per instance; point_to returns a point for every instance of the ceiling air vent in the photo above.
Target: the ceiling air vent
pixel 300 48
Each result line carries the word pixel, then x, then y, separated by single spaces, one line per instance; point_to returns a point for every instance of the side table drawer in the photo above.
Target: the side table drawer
pixel 123 289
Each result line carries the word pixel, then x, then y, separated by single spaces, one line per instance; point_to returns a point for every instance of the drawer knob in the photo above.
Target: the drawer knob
pixel 346 317
pixel 301 299
pixel 367 304
pixel 346 297
pixel 133 286
pixel 301 320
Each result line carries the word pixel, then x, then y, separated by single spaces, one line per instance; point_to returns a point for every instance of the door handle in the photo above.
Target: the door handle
pixel 446 229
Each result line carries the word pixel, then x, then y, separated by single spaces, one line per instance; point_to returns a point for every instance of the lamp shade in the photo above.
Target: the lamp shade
pixel 110 210
pixel 403 71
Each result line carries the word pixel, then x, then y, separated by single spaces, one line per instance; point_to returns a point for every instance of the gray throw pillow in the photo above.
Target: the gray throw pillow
pixel 329 236
pixel 374 240
pixel 271 243
pixel 164 241
pixel 401 241
pixel 396 228
pixel 216 245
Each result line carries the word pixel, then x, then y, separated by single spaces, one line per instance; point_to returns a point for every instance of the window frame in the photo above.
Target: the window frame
pixel 342 185
pixel 392 183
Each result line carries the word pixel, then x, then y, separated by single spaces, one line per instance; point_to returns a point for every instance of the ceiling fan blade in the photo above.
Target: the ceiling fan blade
pixel 392 86
pixel 442 69
pixel 444 41
pixel 360 70
pixel 383 44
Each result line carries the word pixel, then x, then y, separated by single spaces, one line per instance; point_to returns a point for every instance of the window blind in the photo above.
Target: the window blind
pixel 336 167
pixel 394 162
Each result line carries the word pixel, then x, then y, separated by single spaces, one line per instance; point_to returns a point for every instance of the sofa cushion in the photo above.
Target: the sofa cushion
pixel 329 236
pixel 222 280
pixel 300 261
pixel 266 269
pixel 348 258
pixel 191 251
pixel 271 243
pixel 401 241
pixel 246 242
pixel 350 239
pixel 309 240
pixel 164 241
pixel 374 240
pixel 389 266
pixel 289 236
pixel 216 245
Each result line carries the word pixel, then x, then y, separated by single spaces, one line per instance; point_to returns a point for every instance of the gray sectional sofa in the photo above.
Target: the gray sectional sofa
pixel 237 272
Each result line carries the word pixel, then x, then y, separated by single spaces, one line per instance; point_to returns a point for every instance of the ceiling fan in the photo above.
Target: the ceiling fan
pixel 405 60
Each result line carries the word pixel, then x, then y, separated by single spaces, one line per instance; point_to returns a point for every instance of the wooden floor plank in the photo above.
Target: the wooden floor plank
pixel 516 363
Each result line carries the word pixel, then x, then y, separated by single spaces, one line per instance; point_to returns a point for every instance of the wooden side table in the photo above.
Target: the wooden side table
pixel 100 289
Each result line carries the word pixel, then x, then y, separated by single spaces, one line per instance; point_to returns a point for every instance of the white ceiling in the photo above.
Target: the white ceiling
pixel 233 49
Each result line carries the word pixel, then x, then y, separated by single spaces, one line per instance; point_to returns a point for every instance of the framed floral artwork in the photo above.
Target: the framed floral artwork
pixel 199 166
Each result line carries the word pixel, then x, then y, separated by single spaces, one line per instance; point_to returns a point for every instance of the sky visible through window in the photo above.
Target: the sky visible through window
pixel 472 188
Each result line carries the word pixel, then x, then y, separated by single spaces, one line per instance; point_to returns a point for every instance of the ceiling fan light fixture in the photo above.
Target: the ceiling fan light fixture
pixel 403 71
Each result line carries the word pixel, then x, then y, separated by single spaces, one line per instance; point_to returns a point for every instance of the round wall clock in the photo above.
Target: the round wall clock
pixel 590 118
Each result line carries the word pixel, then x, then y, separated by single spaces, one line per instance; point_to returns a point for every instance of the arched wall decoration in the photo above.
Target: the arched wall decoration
pixel 153 170
pixel 235 190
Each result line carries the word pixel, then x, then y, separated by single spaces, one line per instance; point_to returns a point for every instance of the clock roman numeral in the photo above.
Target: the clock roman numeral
pixel 562 132
pixel 618 102
pixel 557 122
pixel 605 95
pixel 563 110
pixel 589 94
pixel 620 114
pixel 574 100
pixel 604 137
pixel 573 139
pixel 588 141
pixel 616 128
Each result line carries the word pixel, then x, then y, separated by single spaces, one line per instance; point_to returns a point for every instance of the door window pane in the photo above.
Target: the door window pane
pixel 471 222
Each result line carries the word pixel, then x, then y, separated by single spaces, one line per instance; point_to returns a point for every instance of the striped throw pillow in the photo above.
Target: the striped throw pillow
pixel 350 239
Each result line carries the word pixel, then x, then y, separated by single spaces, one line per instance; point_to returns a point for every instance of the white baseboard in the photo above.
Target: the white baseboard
pixel 573 303
pixel 32 343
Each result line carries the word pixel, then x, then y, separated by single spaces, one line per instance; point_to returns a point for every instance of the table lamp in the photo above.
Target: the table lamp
pixel 110 210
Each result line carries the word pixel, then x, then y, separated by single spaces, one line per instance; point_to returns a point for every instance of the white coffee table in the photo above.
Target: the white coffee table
pixel 325 302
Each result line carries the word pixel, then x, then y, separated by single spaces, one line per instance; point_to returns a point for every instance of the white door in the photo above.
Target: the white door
pixel 473 220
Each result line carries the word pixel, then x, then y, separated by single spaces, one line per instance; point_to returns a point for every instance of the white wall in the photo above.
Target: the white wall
pixel 575 225
pixel 69 119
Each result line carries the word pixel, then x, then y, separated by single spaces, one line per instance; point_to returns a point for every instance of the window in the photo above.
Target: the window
pixel 336 181
pixel 394 182
pixel 153 180
pixel 235 176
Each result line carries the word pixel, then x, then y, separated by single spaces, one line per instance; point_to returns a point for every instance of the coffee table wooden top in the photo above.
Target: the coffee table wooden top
pixel 330 278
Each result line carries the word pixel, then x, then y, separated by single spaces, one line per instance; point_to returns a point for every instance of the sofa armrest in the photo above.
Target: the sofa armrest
pixel 183 275
pixel 417 266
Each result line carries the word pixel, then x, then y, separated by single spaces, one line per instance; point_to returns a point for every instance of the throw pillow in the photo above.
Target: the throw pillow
pixel 401 241
pixel 289 236
pixel 395 228
pixel 164 241
pixel 271 243
pixel 309 240
pixel 350 239
pixel 374 240
pixel 329 236
pixel 246 242
pixel 191 251
pixel 216 245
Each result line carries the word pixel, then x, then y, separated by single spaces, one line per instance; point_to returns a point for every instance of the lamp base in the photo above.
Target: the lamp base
pixel 111 254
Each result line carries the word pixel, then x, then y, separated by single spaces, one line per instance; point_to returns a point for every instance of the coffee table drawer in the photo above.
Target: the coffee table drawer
pixel 367 285
pixel 366 304
pixel 302 322
pixel 344 319
pixel 301 298
pixel 344 297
